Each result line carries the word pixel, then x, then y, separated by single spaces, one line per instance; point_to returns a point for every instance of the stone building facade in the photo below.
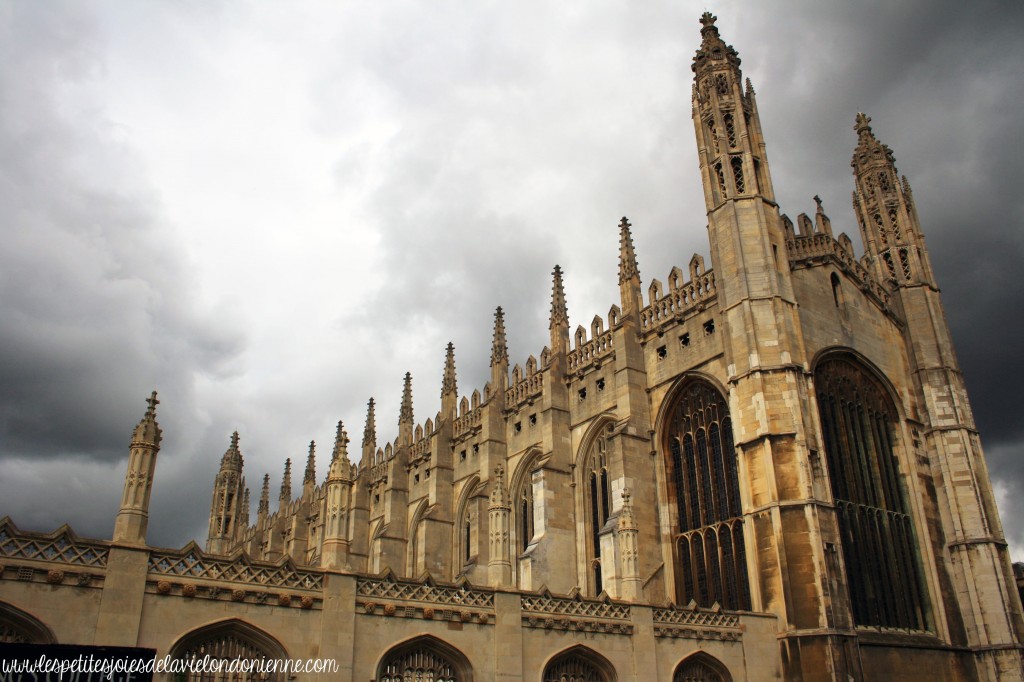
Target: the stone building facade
pixel 763 470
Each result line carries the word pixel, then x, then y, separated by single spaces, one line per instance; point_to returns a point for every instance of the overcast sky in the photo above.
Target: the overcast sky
pixel 269 212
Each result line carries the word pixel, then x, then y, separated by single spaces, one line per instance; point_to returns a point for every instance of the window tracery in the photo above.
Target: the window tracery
pixel 418 664
pixel 737 173
pixel 711 554
pixel 859 430
pixel 230 641
pixel 701 668
pixel 730 129
pixel 598 503
pixel 574 666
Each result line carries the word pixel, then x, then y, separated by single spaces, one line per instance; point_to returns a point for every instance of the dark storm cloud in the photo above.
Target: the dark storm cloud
pixel 944 89
pixel 95 297
pixel 480 147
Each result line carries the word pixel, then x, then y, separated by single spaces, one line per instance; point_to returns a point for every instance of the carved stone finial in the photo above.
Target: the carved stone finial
pixel 861 126
pixel 152 402
pixel 232 458
pixel 340 441
pixel 817 200
pixel 147 430
pixel 707 20
pixel 499 494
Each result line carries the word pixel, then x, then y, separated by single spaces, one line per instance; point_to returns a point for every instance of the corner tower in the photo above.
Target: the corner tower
pixel 975 551
pixel 785 528
pixel 133 517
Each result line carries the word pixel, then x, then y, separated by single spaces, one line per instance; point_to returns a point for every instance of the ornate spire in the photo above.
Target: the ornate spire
pixel 405 413
pixel 370 430
pixel 868 147
pixel 286 484
pixel 148 431
pixel 232 458
pixel 559 311
pixel 340 464
pixel 499 347
pixel 264 507
pixel 310 475
pixel 628 268
pixel 448 385
pixel 713 50
pixel 340 443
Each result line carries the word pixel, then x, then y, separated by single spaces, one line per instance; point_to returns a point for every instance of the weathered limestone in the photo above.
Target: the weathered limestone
pixel 763 470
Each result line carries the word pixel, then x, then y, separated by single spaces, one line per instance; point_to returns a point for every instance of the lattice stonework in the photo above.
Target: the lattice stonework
pixel 63 549
pixel 240 570
pixel 574 607
pixel 699 617
pixel 424 592
pixel 418 665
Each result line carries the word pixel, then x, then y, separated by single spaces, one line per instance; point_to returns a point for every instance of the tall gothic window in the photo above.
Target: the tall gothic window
pixel 524 501
pixel 711 564
pixel 858 425
pixel 598 504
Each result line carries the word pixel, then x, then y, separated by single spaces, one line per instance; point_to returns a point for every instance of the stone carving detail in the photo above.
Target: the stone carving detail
pixel 574 606
pixel 676 616
pixel 190 562
pixel 389 588
pixel 60 547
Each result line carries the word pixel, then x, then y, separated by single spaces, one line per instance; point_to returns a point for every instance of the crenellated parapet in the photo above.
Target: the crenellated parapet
pixel 524 389
pixel 586 353
pixel 680 299
pixel 810 248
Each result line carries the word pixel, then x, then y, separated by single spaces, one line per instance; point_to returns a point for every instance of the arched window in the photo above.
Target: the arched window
pixel 701 668
pixel 524 504
pixel 597 494
pixel 231 640
pixel 424 658
pixel 858 423
pixel 20 627
pixel 578 664
pixel 711 564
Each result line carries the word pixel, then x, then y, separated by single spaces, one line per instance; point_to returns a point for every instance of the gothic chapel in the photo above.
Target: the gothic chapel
pixel 763 470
